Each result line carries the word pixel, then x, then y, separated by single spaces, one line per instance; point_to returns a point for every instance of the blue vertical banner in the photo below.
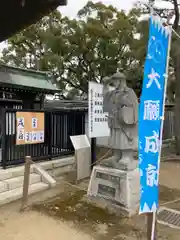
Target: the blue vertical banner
pixel 151 113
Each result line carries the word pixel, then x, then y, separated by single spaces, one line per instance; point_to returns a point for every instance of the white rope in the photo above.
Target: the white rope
pixel 152 11
pixel 177 35
pixel 170 202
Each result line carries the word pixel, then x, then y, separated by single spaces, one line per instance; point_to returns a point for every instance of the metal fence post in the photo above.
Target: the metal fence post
pixel 3 140
pixel 49 125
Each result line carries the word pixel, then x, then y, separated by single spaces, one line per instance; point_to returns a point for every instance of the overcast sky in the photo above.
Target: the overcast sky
pixel 74 5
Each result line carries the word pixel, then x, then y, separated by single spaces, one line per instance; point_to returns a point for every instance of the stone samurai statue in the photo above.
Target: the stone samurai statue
pixel 121 104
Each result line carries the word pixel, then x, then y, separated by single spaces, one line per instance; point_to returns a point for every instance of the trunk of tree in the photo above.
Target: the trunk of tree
pixel 177 102
pixel 176 60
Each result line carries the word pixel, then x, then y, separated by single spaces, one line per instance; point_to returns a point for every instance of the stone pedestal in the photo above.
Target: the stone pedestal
pixel 119 188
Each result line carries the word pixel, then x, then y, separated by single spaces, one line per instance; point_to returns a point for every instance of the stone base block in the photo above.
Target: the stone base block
pixel 119 188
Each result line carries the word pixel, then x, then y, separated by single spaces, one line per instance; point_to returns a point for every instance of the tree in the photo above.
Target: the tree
pixel 96 44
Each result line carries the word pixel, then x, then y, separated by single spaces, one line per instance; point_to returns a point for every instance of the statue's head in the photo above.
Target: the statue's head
pixel 119 79
pixel 106 80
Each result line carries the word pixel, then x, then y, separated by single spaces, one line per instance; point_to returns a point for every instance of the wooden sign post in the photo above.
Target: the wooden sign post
pixel 27 168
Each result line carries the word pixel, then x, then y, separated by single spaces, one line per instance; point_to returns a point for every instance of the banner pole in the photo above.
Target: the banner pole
pixel 151 217
pixel 154 230
pixel 151 226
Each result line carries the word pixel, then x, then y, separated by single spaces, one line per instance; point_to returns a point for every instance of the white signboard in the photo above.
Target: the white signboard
pixel 97 118
pixel 80 141
pixel 82 156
